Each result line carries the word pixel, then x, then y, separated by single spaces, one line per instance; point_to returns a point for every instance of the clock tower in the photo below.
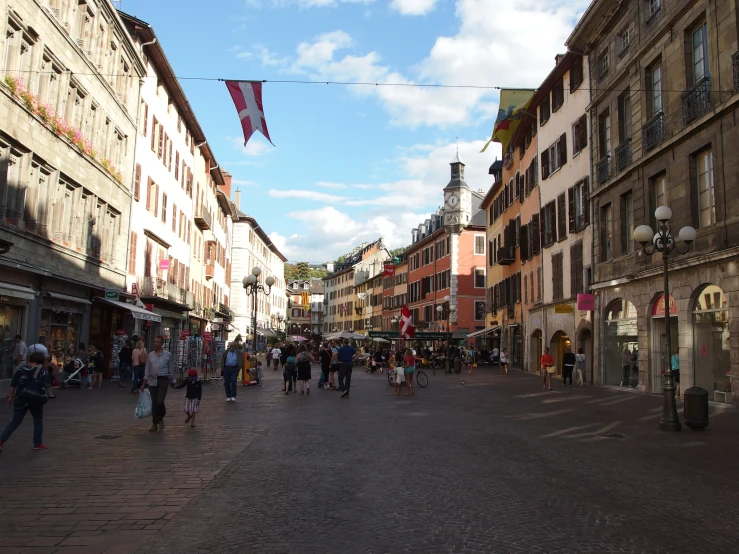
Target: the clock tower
pixel 457 197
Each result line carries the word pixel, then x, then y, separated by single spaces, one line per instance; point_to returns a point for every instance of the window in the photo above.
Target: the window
pixel 657 196
pixel 624 117
pixel 579 209
pixel 703 189
pixel 174 220
pixel 479 278
pixel 602 65
pixel 699 53
pixel 579 135
pixel 654 7
pixel 549 226
pixel 654 90
pixel 576 74
pixel 554 157
pixel 557 277
pixel 604 134
pixel 606 233
pixel 544 111
pixel 561 217
pixel 164 208
pixel 538 284
pixel 627 223
pixel 622 42
pixel 558 95
pixel 137 184
pixel 576 269
pixel 479 310
pixel 525 289
pixel 480 245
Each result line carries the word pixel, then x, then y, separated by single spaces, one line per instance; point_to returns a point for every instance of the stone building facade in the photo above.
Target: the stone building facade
pixel 664 80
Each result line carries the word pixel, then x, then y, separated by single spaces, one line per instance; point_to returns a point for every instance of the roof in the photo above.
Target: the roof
pixel 565 63
pixel 356 256
pixel 496 166
pixel 155 52
pixel 241 217
pixel 457 159
pixel 316 286
pixel 480 218
pixel 593 20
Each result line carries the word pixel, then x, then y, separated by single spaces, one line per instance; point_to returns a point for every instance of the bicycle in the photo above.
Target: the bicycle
pixel 422 380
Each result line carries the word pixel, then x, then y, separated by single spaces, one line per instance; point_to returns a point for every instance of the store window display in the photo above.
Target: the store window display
pixel 61 330
pixel 711 359
pixel 620 336
pixel 11 320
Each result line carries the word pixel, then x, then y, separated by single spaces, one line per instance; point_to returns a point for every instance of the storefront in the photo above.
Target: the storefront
pixel 711 352
pixel 619 336
pixel 171 326
pixel 61 322
pixel 659 357
pixel 14 301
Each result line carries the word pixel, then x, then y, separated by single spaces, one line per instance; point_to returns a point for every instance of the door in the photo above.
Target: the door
pixel 658 359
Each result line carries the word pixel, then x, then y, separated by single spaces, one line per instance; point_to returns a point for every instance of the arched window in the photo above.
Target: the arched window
pixel 711 360
pixel 620 334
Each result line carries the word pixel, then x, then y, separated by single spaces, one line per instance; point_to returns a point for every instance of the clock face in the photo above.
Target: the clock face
pixel 453 201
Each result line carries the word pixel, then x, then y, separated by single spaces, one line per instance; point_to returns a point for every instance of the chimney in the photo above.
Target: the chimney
pixel 237 199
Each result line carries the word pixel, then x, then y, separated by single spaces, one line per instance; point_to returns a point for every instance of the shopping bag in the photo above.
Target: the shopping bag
pixel 143 408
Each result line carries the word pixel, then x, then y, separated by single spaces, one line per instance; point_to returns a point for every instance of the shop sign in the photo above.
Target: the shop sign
pixel 586 302
pixel 4 299
pixel 563 308
pixel 185 333
pixel 111 294
pixel 207 335
pixel 659 306
pixel 120 332
pixel 494 323
pixel 164 265
pixel 149 307
pixel 214 327
pixel 135 289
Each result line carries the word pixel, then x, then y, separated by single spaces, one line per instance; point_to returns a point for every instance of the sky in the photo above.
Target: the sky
pixel 354 163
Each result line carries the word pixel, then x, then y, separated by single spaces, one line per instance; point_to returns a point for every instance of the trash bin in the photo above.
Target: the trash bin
pixel 457 365
pixel 695 408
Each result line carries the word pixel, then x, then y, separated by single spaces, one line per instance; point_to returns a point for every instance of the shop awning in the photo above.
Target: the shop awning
pixel 482 332
pixel 136 312
pixel 17 291
pixel 167 313
pixel 68 297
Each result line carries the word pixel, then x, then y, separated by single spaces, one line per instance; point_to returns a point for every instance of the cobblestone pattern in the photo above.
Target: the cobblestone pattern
pixel 491 465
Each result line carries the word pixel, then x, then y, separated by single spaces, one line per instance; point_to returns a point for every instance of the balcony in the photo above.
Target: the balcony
pixel 696 101
pixel 197 308
pixel 623 155
pixel 508 160
pixel 506 255
pixel 735 66
pixel 603 169
pixel 210 270
pixel 178 295
pixel 653 133
pixel 203 219
pixel 151 286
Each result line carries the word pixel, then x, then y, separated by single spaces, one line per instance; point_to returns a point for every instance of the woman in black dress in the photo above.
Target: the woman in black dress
pixel 303 361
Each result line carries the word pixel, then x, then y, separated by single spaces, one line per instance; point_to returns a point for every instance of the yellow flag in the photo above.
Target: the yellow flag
pixel 513 106
pixel 306 299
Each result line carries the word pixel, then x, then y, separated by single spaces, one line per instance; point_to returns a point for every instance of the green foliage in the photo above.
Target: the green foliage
pixel 397 251
pixel 301 270
pixel 238 339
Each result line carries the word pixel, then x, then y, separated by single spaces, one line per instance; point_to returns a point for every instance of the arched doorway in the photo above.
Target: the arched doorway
pixel 585 341
pixel 659 356
pixel 711 362
pixel 619 335
pixel 560 341
pixel 536 350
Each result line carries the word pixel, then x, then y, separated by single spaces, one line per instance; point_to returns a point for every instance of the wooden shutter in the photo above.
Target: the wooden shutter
pixel 174 218
pixel 583 130
pixel 536 233
pixel 160 150
pixel 561 217
pixel 146 118
pixel 563 149
pixel 132 254
pixel 576 274
pixel 169 157
pixel 154 134
pixel 571 203
pixel 524 242
pixel 490 253
pixel 137 183
pixel 586 201
pixel 545 164
pixel 156 200
pixel 543 226
pixel 148 194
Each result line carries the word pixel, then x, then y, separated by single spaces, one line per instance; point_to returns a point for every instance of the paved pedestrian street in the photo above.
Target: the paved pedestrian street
pixel 473 463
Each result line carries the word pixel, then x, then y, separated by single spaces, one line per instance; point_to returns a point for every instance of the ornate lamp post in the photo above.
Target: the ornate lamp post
pixel 253 287
pixel 663 241
pixel 446 313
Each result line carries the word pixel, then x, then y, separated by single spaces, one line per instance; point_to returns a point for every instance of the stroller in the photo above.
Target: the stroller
pixel 75 369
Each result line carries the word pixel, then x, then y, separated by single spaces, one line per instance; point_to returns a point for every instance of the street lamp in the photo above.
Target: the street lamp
pixel 446 313
pixel 253 287
pixel 663 241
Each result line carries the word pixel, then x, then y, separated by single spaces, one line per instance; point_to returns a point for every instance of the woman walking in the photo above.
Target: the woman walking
pixel 303 361
pixel 125 364
pixel 97 365
pixel 580 366
pixel 139 357
pixel 325 356
pixel 675 367
pixel 547 368
pixel 504 361
pixel 28 393
pixel 409 364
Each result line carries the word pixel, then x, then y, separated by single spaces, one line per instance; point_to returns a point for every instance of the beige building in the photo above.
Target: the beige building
pixel 69 101
pixel 665 77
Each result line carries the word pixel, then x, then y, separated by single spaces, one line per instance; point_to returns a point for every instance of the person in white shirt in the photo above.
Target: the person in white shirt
pixel 19 352
pixel 496 355
pixel 41 347
pixel 276 353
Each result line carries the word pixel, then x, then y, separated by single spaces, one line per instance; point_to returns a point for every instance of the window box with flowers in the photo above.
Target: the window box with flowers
pixel 58 125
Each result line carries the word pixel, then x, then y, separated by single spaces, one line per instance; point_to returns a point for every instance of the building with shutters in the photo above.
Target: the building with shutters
pixel 298 307
pixel 69 97
pixel 395 293
pixel 368 312
pixel 664 77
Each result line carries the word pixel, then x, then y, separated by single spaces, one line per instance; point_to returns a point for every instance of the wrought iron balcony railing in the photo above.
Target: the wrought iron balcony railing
pixel 603 169
pixel 623 155
pixel 653 133
pixel 696 101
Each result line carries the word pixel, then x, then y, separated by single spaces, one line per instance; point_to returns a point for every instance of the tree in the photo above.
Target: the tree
pixel 302 270
pixel 397 251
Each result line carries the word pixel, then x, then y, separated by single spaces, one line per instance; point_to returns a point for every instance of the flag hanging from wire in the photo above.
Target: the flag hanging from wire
pixel 247 97
pixel 407 329
pixel 513 106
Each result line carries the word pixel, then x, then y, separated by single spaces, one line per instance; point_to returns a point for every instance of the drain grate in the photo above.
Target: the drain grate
pixel 107 437
pixel 612 436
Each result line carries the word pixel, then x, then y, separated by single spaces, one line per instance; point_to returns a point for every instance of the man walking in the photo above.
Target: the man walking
pixel 158 375
pixel 276 353
pixel 568 365
pixel 233 362
pixel 346 356
pixel 41 347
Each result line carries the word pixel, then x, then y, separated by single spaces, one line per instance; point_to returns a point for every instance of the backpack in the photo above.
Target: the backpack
pixel 290 363
pixel 32 387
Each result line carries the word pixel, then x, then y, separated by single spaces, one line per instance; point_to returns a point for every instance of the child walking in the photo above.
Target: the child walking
pixel 192 396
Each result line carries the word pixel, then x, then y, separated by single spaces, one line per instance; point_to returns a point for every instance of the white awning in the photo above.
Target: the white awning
pixel 482 332
pixel 136 312
pixel 68 297
pixel 17 291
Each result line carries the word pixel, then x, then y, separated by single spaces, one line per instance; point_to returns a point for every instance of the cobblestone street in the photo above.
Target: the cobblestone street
pixel 473 463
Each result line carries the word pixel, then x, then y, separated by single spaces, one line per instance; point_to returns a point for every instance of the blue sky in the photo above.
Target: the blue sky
pixel 355 163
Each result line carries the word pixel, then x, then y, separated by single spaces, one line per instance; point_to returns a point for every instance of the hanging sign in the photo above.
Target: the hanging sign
pixel 135 289
pixel 111 294
pixel 586 302
pixel 207 335
pixel 164 265
pixel 659 306
pixel 563 308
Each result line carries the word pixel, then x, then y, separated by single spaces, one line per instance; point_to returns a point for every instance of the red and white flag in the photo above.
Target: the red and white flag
pixel 247 97
pixel 407 330
pixel 389 270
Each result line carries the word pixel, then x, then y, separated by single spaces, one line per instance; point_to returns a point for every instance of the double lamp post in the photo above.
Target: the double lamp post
pixel 446 313
pixel 663 241
pixel 253 287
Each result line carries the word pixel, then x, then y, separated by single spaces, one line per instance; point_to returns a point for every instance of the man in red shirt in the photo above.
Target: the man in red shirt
pixel 547 361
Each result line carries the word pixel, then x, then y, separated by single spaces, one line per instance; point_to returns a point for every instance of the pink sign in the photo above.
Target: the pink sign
pixel 659 306
pixel 164 265
pixel 586 302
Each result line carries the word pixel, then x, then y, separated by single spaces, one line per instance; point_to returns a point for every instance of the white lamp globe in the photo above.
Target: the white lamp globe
pixel 453 307
pixel 447 298
pixel 249 280
pixel 256 271
pixel 663 213
pixel 439 309
pixel 270 281
pixel 643 234
pixel 687 234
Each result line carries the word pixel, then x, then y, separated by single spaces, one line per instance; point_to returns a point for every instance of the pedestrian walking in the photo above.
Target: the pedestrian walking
pixel 96 363
pixel 289 373
pixel 28 394
pixel 409 368
pixel 233 362
pixel 346 356
pixel 41 346
pixel 504 361
pixel 276 353
pixel 547 368
pixel 193 395
pixel 675 367
pixel 325 356
pixel 626 366
pixel 580 366
pixel 125 364
pixel 303 360
pixel 158 374
pixel 335 367
pixel 568 365
pixel 138 357
pixel 495 356
pixel 19 352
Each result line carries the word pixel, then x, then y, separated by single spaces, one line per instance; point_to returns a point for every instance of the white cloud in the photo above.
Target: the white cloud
pixel 256 147
pixel 327 185
pixel 243 183
pixel 498 43
pixel 413 7
pixel 306 195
